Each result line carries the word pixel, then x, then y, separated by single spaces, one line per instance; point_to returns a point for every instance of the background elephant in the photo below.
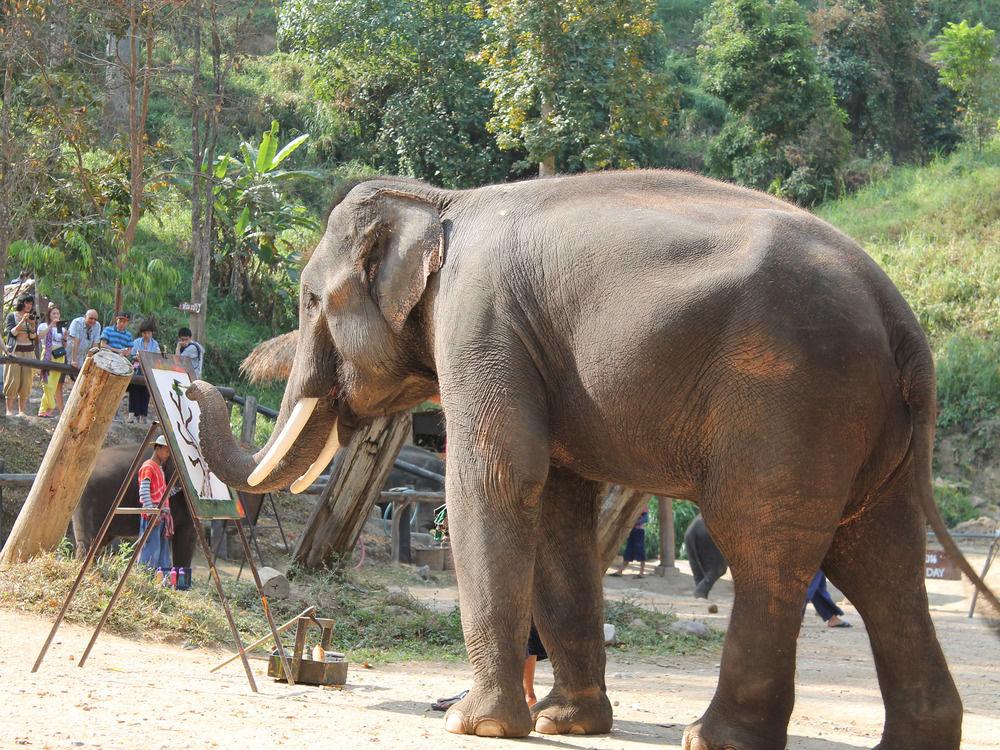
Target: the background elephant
pixel 109 472
pixel 707 563
pixel 653 329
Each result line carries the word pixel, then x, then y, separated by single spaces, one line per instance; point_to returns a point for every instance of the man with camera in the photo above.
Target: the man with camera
pixel 21 328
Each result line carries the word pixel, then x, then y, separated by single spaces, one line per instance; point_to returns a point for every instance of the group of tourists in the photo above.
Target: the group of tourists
pixel 57 341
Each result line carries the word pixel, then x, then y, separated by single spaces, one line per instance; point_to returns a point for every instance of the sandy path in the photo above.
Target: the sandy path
pixel 154 696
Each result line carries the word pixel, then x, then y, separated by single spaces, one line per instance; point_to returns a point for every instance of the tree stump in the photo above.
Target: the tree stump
pixel 70 457
pixel 355 485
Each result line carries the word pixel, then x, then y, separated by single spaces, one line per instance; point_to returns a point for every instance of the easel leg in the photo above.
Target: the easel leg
pixel 96 544
pixel 263 601
pixel 128 569
pixel 277 520
pixel 218 587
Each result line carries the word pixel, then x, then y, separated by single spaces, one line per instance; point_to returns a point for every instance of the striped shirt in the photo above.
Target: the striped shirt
pixel 117 339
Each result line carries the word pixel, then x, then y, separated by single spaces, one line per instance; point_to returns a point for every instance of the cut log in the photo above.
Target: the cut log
pixel 359 472
pixel 273 583
pixel 70 457
pixel 619 510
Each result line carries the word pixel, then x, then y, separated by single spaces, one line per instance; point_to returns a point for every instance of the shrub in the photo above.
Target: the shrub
pixel 953 503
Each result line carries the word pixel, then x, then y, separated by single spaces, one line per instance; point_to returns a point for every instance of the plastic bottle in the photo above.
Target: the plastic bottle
pixel 319 654
pixel 173 578
pixel 159 577
pixel 181 580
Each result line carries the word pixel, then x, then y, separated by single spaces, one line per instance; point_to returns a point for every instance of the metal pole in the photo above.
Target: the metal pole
pixel 986 569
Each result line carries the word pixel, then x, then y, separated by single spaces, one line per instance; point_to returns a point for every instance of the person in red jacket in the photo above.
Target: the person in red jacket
pixel 152 484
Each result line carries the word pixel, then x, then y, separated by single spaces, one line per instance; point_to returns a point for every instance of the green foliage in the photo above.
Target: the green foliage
pixel 655 637
pixel 577 82
pixel 260 228
pixel 401 84
pixel 785 133
pixel 935 231
pixel 965 55
pixel 953 503
pixel 872 50
pixel 968 380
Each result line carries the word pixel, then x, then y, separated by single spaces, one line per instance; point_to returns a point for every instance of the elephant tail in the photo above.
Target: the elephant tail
pixel 919 390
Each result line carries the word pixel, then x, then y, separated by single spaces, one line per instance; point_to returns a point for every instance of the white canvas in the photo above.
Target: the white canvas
pixel 185 417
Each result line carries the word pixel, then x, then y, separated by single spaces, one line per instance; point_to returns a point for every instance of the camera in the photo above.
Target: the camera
pixel 32 316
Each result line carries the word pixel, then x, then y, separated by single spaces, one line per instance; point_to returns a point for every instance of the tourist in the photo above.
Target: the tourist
pixel 138 395
pixel 54 336
pixel 635 547
pixel 84 335
pixel 826 608
pixel 187 347
pixel 152 484
pixel 117 338
pixel 21 332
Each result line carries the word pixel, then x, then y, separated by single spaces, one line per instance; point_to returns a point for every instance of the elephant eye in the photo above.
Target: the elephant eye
pixel 312 301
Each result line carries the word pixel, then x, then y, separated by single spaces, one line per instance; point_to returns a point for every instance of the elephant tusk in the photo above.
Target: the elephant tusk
pixel 300 415
pixel 316 468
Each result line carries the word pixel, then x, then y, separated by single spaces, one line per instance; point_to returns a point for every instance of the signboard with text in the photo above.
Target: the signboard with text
pixel 941 566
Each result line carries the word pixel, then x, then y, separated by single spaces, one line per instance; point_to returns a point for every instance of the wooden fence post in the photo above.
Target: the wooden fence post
pixel 355 484
pixel 70 457
pixel 249 421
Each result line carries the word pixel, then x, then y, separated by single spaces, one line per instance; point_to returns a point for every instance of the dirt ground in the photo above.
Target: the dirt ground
pixel 133 694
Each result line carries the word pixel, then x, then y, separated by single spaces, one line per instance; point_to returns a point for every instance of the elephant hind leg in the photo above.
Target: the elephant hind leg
pixel 877 560
pixel 568 608
pixel 774 530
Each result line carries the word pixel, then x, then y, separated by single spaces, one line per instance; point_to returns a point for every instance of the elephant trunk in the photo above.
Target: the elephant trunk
pixel 302 445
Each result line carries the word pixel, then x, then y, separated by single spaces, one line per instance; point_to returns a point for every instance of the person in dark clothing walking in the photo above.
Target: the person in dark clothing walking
pixel 823 602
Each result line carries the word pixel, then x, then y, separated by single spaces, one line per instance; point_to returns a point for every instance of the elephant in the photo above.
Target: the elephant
pixel 655 329
pixel 707 563
pixel 99 494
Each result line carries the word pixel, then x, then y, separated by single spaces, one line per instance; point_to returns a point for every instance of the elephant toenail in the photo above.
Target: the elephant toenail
pixel 545 725
pixel 489 728
pixel 454 722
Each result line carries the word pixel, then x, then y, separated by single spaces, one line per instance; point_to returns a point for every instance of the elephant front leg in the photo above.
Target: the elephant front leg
pixel 569 599
pixel 493 491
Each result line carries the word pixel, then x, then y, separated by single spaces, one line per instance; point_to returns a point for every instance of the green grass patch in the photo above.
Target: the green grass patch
pixel 654 636
pixel 936 231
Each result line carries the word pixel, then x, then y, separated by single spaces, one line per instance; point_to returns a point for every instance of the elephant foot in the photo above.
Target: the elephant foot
pixel 718 734
pixel 586 712
pixel 489 715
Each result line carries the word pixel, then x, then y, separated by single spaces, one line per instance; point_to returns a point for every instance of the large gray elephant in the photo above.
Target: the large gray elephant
pixel 653 329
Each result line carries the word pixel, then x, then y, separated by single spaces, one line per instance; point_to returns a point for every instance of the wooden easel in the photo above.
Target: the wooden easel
pixel 221 510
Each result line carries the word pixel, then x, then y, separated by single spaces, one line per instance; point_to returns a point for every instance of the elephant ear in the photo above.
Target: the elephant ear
pixel 406 246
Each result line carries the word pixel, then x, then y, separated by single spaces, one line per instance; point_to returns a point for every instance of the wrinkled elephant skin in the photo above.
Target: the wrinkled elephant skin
pixel 653 329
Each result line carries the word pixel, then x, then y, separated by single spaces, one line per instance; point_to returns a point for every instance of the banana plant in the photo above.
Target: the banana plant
pixel 255 216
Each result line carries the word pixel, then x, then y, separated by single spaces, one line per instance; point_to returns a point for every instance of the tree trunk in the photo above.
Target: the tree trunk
pixel 70 457
pixel 619 511
pixel 360 471
pixel 547 166
pixel 116 104
pixel 6 161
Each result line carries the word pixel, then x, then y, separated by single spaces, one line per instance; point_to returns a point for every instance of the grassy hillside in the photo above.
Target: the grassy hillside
pixel 936 231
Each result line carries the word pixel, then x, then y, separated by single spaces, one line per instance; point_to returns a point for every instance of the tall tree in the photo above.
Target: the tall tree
pixel 965 56
pixel 576 85
pixel 400 80
pixel 785 133
pixel 874 52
